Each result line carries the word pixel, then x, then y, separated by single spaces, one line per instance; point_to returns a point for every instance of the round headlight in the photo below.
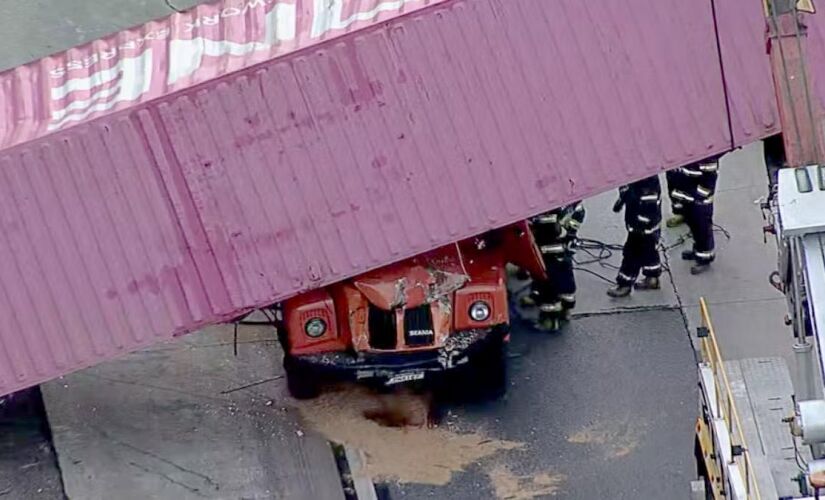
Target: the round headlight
pixel 315 327
pixel 480 311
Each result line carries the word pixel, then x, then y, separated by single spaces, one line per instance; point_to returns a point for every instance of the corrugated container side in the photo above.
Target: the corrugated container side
pixel 742 31
pixel 343 157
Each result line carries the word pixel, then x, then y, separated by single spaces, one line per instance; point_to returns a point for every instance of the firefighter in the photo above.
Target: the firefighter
pixel 695 194
pixel 555 234
pixel 642 215
pixel 676 181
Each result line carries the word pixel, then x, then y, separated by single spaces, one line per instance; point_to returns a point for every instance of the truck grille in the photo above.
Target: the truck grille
pixel 418 326
pixel 382 328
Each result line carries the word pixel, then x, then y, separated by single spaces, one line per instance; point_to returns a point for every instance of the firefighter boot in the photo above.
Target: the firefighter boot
pixel 699 268
pixel 675 220
pixel 548 324
pixel 528 301
pixel 619 291
pixel 688 255
pixel 649 283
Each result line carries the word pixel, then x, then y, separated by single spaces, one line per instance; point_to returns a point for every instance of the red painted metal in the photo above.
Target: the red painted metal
pixel 742 33
pixel 172 54
pixel 310 161
pixel 800 111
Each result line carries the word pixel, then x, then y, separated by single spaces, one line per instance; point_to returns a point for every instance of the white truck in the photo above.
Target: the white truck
pixel 757 436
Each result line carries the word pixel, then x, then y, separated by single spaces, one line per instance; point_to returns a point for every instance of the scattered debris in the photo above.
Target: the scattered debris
pixel 252 384
pixel 408 453
pixel 509 486
pixel 619 437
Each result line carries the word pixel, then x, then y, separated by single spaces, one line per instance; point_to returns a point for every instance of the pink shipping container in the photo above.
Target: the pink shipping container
pixel 186 171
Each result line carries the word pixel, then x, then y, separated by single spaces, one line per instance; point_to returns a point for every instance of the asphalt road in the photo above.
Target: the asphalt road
pixel 28 468
pixel 605 409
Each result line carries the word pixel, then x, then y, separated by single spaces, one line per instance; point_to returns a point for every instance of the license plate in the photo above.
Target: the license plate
pixel 405 377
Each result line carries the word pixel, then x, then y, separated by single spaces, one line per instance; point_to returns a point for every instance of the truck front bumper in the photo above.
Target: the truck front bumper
pixel 397 367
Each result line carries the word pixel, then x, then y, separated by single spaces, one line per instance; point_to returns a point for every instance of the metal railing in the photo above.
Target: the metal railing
pixel 725 404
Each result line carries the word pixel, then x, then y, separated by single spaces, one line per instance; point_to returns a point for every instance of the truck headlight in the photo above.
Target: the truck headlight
pixel 315 327
pixel 480 311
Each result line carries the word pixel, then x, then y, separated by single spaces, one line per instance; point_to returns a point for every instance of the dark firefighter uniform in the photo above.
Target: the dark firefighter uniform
pixel 694 191
pixel 676 183
pixel 555 234
pixel 643 216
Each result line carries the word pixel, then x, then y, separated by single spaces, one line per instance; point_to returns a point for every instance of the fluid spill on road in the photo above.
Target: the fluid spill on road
pixel 619 438
pixel 509 486
pixel 392 431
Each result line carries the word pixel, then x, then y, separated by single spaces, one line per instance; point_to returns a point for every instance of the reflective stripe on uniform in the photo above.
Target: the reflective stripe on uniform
pixel 549 308
pixel 709 167
pixel 677 205
pixel 649 197
pixel 652 229
pixel 643 218
pixel 547 219
pixel 652 268
pixel 574 224
pixel 679 195
pixel 567 297
pixel 703 255
pixel 558 248
pixel 707 201
pixel 625 277
pixel 690 173
pixel 705 192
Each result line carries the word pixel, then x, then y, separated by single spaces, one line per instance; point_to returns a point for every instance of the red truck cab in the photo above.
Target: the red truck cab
pixel 427 315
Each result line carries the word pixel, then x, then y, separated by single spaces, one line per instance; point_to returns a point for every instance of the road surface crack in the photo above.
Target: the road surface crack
pixel 194 490
pixel 166 461
pixel 681 304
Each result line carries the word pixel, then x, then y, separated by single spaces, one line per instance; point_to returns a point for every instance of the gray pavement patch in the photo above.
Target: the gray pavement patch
pixel 185 420
pixel 744 168
pixel 37 28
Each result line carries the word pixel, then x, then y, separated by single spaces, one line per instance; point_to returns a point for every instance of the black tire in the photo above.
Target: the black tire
pixel 490 370
pixel 302 383
pixel 483 379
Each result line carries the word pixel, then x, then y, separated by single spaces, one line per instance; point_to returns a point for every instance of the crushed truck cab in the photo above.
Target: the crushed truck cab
pixel 408 321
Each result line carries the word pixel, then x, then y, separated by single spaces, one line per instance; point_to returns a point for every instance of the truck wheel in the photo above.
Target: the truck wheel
pixel 302 383
pixel 491 370
pixel 485 378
